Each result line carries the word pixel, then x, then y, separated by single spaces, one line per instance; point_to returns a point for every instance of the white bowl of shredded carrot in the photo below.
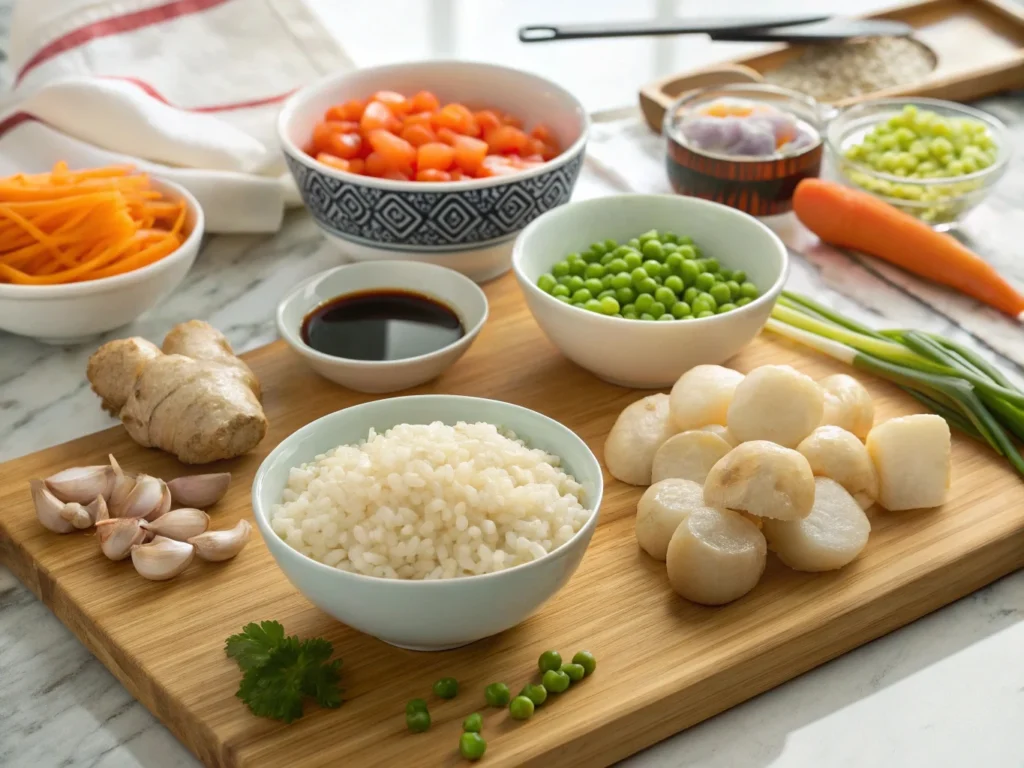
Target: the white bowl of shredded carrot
pixel 85 251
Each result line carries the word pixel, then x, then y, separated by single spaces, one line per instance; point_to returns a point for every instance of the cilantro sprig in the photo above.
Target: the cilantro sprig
pixel 280 671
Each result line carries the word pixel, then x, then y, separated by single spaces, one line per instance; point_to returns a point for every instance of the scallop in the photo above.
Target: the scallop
pixel 689 455
pixel 776 403
pixel 660 510
pixel 635 436
pixel 833 452
pixel 912 456
pixel 830 537
pixel 715 556
pixel 847 404
pixel 702 396
pixel 764 479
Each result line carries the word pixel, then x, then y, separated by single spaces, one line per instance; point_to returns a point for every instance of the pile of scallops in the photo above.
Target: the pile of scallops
pixel 739 465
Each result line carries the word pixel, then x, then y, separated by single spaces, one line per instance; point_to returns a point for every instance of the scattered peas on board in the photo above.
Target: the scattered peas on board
pixel 921 145
pixel 655 276
pixel 446 688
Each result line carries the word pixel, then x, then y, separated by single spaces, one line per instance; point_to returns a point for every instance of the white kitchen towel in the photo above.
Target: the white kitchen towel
pixel 186 89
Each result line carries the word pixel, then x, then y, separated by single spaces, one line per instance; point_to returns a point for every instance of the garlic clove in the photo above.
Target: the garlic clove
pixel 179 524
pixel 200 491
pixel 77 515
pixel 162 558
pixel 49 508
pixel 165 504
pixel 144 500
pixel 98 509
pixel 118 535
pixel 81 484
pixel 121 486
pixel 216 546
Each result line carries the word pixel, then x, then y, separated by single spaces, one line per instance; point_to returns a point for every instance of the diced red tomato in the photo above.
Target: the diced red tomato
pixel 358 165
pixel 395 176
pixel 435 156
pixel 396 102
pixel 338 163
pixel 346 145
pixel 377 116
pixel 418 135
pixel 425 101
pixel 447 135
pixel 375 165
pixel 398 154
pixel 487 119
pixel 458 118
pixel 469 153
pixel 433 174
pixel 507 139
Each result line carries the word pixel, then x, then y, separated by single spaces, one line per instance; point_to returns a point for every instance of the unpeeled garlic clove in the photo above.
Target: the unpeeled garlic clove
pixel 121 486
pixel 200 491
pixel 146 499
pixel 98 509
pixel 49 508
pixel 179 524
pixel 162 558
pixel 81 484
pixel 77 515
pixel 118 535
pixel 165 504
pixel 215 546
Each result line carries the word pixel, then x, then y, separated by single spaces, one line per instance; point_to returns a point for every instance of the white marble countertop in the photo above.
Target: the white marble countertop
pixel 947 690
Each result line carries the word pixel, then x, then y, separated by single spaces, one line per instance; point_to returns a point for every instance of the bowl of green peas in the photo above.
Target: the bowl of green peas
pixel 638 289
pixel 933 159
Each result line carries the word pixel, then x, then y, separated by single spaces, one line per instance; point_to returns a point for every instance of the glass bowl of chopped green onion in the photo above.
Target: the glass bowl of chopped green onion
pixel 933 159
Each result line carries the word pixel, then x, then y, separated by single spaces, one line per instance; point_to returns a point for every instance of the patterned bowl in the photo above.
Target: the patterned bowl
pixel 468 226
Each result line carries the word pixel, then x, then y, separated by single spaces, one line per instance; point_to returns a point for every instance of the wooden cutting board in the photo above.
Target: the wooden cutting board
pixel 663 664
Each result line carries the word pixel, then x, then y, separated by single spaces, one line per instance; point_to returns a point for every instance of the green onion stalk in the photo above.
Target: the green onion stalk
pixel 949 379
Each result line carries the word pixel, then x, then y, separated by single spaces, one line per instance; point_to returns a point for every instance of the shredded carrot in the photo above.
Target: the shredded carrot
pixel 75 225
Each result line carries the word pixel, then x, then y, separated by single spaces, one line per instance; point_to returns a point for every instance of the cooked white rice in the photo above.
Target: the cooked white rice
pixel 430 501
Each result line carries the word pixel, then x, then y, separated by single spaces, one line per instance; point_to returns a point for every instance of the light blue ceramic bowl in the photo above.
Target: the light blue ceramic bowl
pixel 427 615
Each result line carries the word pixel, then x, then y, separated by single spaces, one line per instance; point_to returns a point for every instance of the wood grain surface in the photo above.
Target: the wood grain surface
pixel 663 664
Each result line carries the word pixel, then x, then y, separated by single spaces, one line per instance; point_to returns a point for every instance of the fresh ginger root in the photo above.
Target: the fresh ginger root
pixel 194 398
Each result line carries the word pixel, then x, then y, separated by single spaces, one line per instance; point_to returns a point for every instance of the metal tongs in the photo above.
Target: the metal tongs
pixel 777 29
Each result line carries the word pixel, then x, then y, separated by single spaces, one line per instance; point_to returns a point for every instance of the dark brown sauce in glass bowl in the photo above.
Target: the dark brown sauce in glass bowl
pixel 381 325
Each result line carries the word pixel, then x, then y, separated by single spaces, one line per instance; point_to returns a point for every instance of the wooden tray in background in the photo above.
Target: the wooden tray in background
pixel 978 45
pixel 663 664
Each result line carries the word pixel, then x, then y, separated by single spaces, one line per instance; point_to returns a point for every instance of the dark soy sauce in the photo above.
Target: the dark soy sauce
pixel 381 325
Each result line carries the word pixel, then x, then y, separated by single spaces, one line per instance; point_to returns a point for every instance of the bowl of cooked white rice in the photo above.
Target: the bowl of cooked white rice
pixel 429 521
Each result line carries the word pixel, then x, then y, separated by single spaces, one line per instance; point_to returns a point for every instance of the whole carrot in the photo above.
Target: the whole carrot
pixel 854 219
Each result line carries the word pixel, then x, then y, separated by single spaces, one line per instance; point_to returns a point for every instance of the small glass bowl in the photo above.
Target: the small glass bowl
pixel 761 186
pixel 940 202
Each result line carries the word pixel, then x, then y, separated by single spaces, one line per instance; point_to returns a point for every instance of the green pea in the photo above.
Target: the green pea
pixel 659 280
pixel 748 291
pixel 577 267
pixel 684 240
pixel 606 281
pixel 726 274
pixel 705 302
pixel 643 302
pixel 633 260
pixel 560 290
pixel 560 268
pixel 728 307
pixel 610 245
pixel 633 243
pixel 690 294
pixel 607 292
pixel 680 310
pixel 593 285
pixel 625 295
pixel 582 295
pixel 573 257
pixel 719 277
pixel 665 295
pixel 556 681
pixel 647 285
pixel 520 708
pixel 593 306
pixel 668 237
pixel 446 688
pixel 669 248
pixel 705 313
pixel 687 251
pixel 651 234
pixel 617 265
pixel 606 259
pixel 473 724
pixel 710 265
pixel 415 705
pixel 576 671
pixel 564 299
pixel 622 251
pixel 720 293
pixel 418 721
pixel 743 301
pixel 609 305
pixel 621 280
pixel 657 310
pixel 564 280
pixel 496 695
pixel 704 281
pixel 734 288
pixel 546 282
pixel 674 262
pixel 689 271
pixel 537 694
pixel 652 250
pixel 472 746
pixel 653 268
pixel 638 274
pixel 575 283
pixel 589 257
pixel 666 316
pixel 598 248
pixel 675 284
pixel 549 660
pixel 647 316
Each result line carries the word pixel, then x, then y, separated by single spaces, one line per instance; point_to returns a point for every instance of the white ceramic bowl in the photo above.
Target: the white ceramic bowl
pixel 455 291
pixel 635 353
pixel 467 225
pixel 427 615
pixel 66 314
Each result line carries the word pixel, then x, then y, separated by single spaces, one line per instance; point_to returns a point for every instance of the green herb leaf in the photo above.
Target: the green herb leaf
pixel 275 689
pixel 252 647
pixel 321 682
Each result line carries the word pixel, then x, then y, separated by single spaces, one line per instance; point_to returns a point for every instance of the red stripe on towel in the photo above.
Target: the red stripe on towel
pixel 154 93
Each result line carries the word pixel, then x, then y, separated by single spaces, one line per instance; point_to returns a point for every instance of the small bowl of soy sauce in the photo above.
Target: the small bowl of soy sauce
pixel 383 326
